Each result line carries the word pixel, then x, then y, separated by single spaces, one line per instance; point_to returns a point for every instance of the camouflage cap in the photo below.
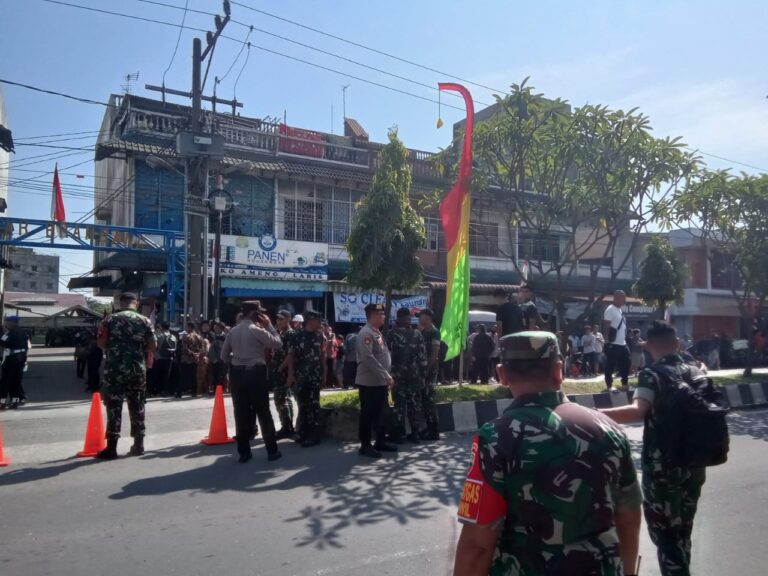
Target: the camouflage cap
pixel 529 346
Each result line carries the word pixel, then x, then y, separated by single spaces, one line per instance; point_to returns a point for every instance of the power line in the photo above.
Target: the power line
pixel 56 135
pixel 59 147
pixel 368 48
pixel 53 92
pixel 727 159
pixel 178 39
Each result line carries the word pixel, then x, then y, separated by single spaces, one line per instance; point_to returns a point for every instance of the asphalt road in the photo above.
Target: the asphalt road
pixel 185 508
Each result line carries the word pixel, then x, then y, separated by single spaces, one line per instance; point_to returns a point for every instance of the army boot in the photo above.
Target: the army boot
pixel 110 452
pixel 138 446
pixel 285 432
pixel 413 438
pixel 430 434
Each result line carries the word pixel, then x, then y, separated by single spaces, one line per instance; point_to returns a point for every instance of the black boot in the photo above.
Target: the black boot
pixel 413 438
pixel 138 446
pixel 110 452
pixel 430 434
pixel 285 432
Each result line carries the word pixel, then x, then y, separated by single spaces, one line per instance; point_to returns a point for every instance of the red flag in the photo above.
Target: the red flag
pixel 57 204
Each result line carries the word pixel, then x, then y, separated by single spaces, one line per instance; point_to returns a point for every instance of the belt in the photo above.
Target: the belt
pixel 242 367
pixel 19 351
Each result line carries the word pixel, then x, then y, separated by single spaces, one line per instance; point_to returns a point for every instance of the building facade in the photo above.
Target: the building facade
pixel 32 272
pixel 295 193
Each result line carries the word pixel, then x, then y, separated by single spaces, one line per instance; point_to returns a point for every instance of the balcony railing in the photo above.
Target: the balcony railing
pixel 253 135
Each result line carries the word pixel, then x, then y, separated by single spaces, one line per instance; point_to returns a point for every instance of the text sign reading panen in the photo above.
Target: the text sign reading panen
pixel 269 257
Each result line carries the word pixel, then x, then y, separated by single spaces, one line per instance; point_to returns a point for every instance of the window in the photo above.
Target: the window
pixel 49 285
pixel 325 218
pixel 34 268
pixel 33 285
pixel 432 232
pixel 484 239
pixel 15 283
pixel 303 220
pixel 51 268
pixel 538 247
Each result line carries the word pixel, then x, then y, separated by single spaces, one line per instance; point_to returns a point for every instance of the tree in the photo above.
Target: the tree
pixel 728 215
pixel 662 276
pixel 97 305
pixel 576 188
pixel 387 232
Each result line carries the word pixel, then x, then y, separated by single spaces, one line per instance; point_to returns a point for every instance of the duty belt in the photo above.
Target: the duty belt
pixel 19 351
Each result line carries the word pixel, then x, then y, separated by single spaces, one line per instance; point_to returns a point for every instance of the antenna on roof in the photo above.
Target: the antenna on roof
pixel 128 78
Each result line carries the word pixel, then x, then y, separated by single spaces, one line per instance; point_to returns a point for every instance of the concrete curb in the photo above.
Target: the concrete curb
pixel 469 416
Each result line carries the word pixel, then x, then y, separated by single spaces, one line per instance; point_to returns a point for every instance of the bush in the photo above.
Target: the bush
pixel 349 399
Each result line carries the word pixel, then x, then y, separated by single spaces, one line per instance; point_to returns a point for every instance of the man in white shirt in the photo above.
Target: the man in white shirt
pixel 615 331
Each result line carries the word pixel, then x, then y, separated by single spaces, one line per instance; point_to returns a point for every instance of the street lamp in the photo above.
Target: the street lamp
pixel 219 203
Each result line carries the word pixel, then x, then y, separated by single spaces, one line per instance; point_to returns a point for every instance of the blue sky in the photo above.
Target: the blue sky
pixel 697 69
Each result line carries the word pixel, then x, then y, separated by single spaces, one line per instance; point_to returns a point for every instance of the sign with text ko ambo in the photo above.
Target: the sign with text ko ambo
pixel 350 307
pixel 272 258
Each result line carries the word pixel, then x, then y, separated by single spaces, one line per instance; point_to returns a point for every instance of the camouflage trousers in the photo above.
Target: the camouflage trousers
pixel 427 398
pixel 669 506
pixel 405 396
pixel 134 391
pixel 307 393
pixel 283 403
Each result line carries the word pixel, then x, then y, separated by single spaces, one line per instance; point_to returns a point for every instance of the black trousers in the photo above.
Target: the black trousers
pixel 10 382
pixel 373 412
pixel 250 397
pixel 161 372
pixel 187 379
pixel 80 362
pixel 483 367
pixel 94 378
pixel 616 359
pixel 349 374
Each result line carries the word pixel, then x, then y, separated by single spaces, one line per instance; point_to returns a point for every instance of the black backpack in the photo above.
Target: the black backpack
pixel 690 419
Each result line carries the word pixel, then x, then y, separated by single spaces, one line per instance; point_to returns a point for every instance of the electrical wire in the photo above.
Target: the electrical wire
pixel 237 80
pixel 53 92
pixel 55 135
pixel 178 39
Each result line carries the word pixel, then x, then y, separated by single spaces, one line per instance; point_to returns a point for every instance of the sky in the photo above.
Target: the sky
pixel 696 69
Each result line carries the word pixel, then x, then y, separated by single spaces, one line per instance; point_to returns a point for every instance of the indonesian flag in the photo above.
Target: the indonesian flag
pixel 57 205
pixel 454 216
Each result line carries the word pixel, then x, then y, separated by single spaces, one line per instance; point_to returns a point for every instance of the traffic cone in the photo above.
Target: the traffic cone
pixel 95 438
pixel 3 460
pixel 217 434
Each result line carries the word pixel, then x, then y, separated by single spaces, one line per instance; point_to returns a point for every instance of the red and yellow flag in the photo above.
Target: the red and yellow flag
pixel 454 216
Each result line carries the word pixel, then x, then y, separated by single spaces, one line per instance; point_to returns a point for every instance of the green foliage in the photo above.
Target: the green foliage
pixel 465 393
pixel 662 275
pixel 590 176
pixel 98 306
pixel 387 231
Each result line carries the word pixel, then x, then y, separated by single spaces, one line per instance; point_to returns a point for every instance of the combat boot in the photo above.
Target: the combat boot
pixel 285 432
pixel 110 452
pixel 413 438
pixel 138 446
pixel 430 434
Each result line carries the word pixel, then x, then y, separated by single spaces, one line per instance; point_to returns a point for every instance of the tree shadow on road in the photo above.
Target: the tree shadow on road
pixel 752 423
pixel 347 491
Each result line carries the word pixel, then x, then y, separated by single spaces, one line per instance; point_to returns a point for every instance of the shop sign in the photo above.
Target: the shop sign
pixel 270 258
pixel 350 307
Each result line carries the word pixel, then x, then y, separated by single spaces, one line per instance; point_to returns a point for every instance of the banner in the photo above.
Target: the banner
pixel 351 307
pixel 268 257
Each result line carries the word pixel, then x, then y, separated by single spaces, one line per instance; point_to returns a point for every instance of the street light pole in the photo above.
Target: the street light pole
pixel 219 202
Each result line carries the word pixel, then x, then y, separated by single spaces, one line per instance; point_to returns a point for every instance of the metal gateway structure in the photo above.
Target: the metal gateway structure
pixel 28 233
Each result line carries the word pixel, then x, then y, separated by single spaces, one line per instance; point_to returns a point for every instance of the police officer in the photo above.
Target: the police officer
pixel 129 344
pixel 16 342
pixel 279 376
pixel 245 348
pixel 306 374
pixel 426 397
pixel 552 487
pixel 671 494
pixel 409 363
pixel 373 380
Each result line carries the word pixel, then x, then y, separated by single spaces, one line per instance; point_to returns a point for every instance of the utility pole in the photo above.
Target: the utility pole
pixel 197 147
pixel 344 104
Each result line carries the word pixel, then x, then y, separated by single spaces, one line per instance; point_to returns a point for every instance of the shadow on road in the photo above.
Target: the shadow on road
pixel 347 491
pixel 23 475
pixel 749 423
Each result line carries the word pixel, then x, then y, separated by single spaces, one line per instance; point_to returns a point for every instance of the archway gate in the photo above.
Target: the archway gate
pixel 28 233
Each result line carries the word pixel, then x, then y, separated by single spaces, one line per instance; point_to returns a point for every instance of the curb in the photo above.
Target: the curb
pixel 469 416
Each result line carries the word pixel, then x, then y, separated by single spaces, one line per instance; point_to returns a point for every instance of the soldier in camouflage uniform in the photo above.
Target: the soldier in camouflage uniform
pixel 409 364
pixel 426 397
pixel 671 493
pixel 552 489
pixel 306 373
pixel 128 341
pixel 279 376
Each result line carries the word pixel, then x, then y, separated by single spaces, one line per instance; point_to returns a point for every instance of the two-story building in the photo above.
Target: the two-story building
pixel 295 193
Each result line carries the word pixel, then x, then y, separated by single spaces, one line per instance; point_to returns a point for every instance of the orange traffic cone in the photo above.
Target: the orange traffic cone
pixel 217 434
pixel 3 460
pixel 95 438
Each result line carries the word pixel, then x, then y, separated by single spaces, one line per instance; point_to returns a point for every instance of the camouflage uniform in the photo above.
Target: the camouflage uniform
pixel 308 349
pixel 125 370
pixel 409 363
pixel 427 392
pixel 282 391
pixel 551 474
pixel 671 493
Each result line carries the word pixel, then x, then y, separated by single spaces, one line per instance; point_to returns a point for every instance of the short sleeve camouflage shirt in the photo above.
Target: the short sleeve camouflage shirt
pixel 129 334
pixel 308 349
pixel 409 359
pixel 552 474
